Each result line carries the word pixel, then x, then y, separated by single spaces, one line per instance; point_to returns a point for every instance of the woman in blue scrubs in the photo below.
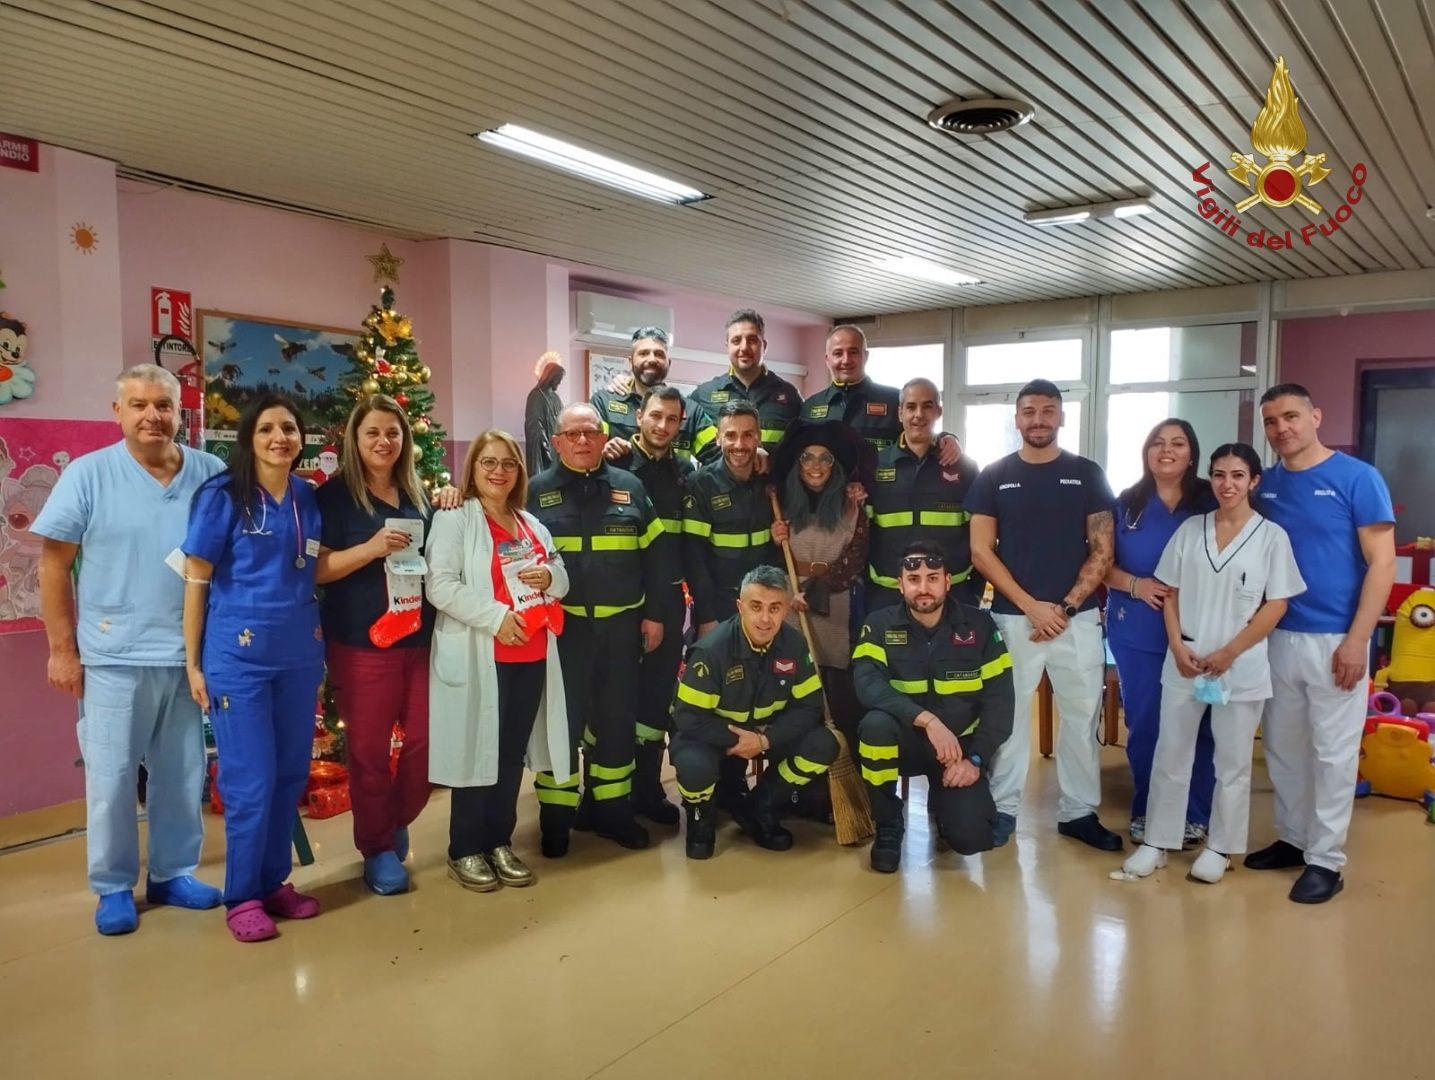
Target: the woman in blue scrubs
pixel 1148 513
pixel 255 654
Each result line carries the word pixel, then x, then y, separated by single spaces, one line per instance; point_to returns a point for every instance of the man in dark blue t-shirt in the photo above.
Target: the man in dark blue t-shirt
pixel 1042 535
pixel 1337 512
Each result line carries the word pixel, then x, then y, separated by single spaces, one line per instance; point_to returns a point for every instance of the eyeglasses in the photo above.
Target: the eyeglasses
pixel 810 458
pixel 914 562
pixel 581 433
pixel 508 464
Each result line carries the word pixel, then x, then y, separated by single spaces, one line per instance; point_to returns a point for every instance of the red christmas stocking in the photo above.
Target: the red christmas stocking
pixel 406 595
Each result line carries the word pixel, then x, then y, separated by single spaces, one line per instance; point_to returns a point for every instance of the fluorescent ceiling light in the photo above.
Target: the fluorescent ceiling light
pixel 1072 215
pixel 587 164
pixel 910 266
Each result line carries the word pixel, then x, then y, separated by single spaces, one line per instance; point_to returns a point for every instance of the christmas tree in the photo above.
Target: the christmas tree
pixel 385 361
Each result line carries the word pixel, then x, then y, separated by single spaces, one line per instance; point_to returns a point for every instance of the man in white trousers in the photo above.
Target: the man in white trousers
pixel 1041 533
pixel 1342 528
pixel 121 652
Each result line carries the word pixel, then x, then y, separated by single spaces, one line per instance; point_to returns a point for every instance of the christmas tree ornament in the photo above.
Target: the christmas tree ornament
pixel 384 367
pixel 421 426
pixel 370 386
pixel 425 374
pixel 403 400
pixel 386 265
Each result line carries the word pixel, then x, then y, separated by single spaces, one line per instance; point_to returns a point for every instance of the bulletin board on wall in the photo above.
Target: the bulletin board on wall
pixel 604 365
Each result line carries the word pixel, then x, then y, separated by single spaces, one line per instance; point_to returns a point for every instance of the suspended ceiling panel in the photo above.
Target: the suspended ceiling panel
pixel 805 122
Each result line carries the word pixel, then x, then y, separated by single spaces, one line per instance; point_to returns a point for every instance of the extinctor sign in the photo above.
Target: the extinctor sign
pixel 171 314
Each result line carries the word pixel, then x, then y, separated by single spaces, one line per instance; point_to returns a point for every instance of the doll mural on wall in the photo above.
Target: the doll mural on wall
pixel 20 501
pixel 17 379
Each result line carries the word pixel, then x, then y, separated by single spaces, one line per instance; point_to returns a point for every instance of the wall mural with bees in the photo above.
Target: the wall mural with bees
pixel 245 356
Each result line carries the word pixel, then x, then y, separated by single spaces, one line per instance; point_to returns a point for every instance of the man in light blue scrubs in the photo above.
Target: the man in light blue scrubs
pixel 1337 512
pixel 125 509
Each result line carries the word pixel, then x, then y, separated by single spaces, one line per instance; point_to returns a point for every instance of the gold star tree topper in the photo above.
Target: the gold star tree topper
pixel 386 265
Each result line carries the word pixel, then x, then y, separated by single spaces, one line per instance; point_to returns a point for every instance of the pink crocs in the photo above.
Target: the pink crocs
pixel 290 904
pixel 248 922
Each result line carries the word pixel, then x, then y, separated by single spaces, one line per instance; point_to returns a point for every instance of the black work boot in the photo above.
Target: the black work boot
pixel 702 830
pixel 649 798
pixel 759 814
pixel 732 787
pixel 613 820
pixel 554 823
pixel 887 848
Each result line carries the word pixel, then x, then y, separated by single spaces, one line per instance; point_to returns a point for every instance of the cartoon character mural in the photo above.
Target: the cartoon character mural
pixel 17 379
pixel 20 501
pixel 1410 675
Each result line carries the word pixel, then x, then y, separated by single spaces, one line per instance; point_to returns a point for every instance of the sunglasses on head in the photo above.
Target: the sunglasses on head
pixel 915 562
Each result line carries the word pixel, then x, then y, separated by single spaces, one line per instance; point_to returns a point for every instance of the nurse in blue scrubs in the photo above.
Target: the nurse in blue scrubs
pixel 1147 515
pixel 255 654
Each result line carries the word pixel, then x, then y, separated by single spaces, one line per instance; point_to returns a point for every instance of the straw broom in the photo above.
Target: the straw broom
pixel 851 810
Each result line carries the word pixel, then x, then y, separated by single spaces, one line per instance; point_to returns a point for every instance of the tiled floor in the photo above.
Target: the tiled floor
pixel 1022 962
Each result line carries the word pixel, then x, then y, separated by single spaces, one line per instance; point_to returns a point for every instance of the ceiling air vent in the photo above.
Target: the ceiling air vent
pixel 983 116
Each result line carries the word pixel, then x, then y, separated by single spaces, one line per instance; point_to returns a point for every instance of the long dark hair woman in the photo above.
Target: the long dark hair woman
pixel 255 654
pixel 1148 513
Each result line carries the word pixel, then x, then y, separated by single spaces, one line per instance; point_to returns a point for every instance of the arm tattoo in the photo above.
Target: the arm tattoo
pixel 1101 552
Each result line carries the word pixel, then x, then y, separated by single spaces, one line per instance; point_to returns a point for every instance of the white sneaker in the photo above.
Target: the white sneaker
pixel 1210 866
pixel 1143 863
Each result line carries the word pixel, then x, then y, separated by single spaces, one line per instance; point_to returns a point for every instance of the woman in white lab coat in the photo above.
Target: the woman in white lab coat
pixel 1231 572
pixel 495 688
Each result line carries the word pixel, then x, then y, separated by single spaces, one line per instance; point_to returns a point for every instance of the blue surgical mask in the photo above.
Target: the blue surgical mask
pixel 1212 691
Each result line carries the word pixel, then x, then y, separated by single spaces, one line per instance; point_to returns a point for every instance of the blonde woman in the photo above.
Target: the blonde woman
pixel 377 628
pixel 495 689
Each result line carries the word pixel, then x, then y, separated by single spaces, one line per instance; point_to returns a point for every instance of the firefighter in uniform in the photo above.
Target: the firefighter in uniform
pixel 777 401
pixel 727 519
pixel 750 688
pixel 601 520
pixel 936 679
pixel 664 475
pixel 916 497
pixel 649 363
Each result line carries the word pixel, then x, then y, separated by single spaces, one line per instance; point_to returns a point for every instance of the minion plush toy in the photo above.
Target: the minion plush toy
pixel 1411 674
pixel 16 379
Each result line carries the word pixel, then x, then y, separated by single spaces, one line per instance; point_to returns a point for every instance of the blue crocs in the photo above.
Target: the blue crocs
pixel 385 875
pixel 116 914
pixel 401 843
pixel 1002 830
pixel 186 892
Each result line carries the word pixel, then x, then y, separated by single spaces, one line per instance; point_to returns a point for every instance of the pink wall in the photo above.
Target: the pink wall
pixel 70 302
pixel 1326 356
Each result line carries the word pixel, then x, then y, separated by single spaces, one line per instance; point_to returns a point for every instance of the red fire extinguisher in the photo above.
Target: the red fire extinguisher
pixel 191 390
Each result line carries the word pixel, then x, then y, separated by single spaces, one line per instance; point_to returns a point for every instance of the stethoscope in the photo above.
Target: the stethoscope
pixel 262 530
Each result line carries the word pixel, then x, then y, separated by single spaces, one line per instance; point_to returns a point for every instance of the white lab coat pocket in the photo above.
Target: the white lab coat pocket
pixel 450 653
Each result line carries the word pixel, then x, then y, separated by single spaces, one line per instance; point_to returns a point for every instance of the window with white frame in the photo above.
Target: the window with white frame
pixel 893 365
pixel 991 375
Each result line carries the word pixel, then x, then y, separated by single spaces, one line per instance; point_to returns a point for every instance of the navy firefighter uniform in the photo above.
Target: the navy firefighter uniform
pixel 774 689
pixel 263 660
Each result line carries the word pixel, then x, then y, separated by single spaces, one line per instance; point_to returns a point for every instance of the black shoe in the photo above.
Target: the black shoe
pixel 1279 856
pixel 584 815
pixel 758 818
pixel 1316 885
pixel 654 806
pixel 887 849
pixel 1089 830
pixel 615 822
pixel 731 795
pixel 554 845
pixel 702 831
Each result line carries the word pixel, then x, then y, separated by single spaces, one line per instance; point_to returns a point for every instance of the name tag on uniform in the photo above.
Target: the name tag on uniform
pixel 311 546
pixel 876 408
pixel 886 475
pixel 962 676
pixel 733 674
pixel 895 637
pixel 818 412
pixel 550 498
pixel 620 530
pixel 618 407
pixel 720 502
pixel 622 497
pixel 720 395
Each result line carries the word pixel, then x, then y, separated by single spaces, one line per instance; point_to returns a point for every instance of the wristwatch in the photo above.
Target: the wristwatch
pixel 1071 610
pixel 975 759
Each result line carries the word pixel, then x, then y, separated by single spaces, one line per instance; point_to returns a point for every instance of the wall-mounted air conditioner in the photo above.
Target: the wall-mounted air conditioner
pixel 614 318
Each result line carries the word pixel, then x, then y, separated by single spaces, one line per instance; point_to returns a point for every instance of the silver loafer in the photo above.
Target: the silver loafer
pixel 473 872
pixel 510 868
